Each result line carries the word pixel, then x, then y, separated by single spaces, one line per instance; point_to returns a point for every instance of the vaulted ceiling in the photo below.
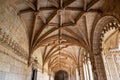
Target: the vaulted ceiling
pixel 61 27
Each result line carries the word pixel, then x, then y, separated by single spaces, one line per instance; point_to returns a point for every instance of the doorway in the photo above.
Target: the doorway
pixel 61 75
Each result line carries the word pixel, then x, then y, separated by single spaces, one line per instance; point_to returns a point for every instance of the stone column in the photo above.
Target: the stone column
pixel 85 74
pixel 90 69
pixel 81 73
pixel 72 77
pixel 52 78
pixel 49 77
pixel 99 69
pixel 77 74
pixel 69 77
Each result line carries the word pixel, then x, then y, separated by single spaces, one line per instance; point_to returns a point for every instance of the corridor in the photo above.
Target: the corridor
pixel 59 39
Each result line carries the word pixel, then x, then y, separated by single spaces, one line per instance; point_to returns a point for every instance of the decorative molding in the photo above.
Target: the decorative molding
pixel 3 52
pixel 7 40
pixel 109 26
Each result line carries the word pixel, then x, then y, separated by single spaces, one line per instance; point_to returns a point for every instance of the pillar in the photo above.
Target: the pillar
pixel 90 69
pixel 69 77
pixel 52 78
pixel 85 74
pixel 74 75
pixel 99 69
pixel 77 74
pixel 81 73
pixel 49 77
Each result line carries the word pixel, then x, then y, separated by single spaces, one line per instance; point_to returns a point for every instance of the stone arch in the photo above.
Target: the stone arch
pixel 61 75
pixel 99 31
pixel 109 40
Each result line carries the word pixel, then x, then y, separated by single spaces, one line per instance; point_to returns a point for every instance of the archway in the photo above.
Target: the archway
pixel 101 28
pixel 110 52
pixel 61 75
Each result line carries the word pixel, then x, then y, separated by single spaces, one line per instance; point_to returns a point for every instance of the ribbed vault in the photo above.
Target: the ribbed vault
pixel 62 28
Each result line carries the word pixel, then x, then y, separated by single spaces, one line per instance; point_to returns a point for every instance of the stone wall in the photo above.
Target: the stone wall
pixel 14 46
pixel 42 76
pixel 12 25
pixel 13 67
pixel 13 54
